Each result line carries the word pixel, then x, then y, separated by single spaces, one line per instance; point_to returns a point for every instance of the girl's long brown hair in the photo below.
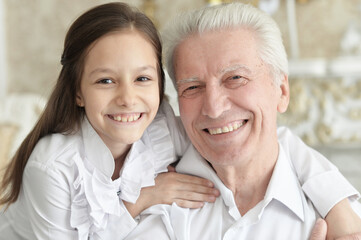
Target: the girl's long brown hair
pixel 61 114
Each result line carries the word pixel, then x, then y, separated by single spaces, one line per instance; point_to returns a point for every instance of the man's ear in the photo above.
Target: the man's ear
pixel 79 100
pixel 285 95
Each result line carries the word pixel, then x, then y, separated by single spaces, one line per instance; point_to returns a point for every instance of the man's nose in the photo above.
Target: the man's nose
pixel 215 101
pixel 126 95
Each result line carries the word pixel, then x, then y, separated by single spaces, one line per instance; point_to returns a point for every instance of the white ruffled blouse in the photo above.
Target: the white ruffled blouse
pixel 67 186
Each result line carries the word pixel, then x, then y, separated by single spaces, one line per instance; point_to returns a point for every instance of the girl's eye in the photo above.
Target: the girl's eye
pixel 143 79
pixel 105 81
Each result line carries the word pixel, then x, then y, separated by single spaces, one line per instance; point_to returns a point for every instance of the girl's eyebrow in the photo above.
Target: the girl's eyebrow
pixel 147 67
pixel 100 70
pixel 109 70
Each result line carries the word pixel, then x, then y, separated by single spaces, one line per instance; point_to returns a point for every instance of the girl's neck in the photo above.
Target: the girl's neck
pixel 119 161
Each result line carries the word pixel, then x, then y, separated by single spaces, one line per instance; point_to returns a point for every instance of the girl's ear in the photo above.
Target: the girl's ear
pixel 285 95
pixel 79 100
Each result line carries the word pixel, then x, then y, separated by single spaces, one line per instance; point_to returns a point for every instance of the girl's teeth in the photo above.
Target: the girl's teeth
pixel 131 118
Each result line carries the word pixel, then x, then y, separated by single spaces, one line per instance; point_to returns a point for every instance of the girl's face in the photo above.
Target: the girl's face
pixel 119 88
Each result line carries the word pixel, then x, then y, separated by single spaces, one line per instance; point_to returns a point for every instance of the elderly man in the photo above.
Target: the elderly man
pixel 230 69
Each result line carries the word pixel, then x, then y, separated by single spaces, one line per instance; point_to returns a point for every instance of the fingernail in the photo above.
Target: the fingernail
pixel 212 198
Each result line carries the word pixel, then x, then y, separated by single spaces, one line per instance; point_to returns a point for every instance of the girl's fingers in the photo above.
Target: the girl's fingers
pixel 188 187
pixel 189 204
pixel 198 197
pixel 187 191
pixel 194 184
pixel 194 180
pixel 183 178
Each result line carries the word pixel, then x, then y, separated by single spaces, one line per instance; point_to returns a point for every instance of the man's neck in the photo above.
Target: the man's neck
pixel 249 182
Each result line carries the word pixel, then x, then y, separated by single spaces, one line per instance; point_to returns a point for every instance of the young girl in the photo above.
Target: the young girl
pixel 95 146
pixel 85 170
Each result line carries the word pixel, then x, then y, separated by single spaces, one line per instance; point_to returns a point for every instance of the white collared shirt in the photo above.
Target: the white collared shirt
pixel 67 191
pixel 65 186
pixel 284 213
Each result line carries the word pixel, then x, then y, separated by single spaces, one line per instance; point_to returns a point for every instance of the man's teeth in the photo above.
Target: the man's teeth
pixel 226 129
pixel 128 118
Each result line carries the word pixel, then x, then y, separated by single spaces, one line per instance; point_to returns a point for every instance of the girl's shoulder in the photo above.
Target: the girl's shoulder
pixel 52 148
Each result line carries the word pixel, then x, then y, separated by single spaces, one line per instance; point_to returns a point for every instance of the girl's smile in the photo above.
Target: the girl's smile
pixel 119 88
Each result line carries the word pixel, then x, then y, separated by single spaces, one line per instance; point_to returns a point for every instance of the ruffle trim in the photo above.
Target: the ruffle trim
pixel 97 198
pixel 94 201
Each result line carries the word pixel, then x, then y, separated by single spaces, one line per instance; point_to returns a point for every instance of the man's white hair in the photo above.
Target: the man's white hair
pixel 229 16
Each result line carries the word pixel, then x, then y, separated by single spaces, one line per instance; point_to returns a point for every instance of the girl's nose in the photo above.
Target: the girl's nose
pixel 126 95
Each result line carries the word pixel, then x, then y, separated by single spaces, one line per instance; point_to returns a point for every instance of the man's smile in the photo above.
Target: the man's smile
pixel 227 128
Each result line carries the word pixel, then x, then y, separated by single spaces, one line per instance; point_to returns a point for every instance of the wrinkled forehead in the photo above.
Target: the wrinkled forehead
pixel 215 52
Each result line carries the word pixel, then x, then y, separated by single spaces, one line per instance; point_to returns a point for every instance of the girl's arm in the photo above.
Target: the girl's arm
pixel 185 190
pixel 47 199
pixel 342 220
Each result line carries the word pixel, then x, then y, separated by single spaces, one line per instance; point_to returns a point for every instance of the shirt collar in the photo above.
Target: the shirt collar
pixel 283 187
pixel 193 163
pixel 96 152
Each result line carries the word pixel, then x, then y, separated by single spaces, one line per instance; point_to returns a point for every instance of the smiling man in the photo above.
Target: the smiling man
pixel 230 69
pixel 229 109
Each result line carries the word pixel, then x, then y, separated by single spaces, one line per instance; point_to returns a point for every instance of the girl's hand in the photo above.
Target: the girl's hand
pixel 185 190
pixel 342 220
pixel 319 232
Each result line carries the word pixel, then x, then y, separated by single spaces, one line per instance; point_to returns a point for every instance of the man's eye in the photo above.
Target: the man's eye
pixel 236 77
pixel 191 88
pixel 191 91
pixel 236 81
pixel 105 81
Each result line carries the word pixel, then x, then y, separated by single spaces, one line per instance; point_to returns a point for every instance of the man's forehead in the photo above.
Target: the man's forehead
pixel 215 52
pixel 239 68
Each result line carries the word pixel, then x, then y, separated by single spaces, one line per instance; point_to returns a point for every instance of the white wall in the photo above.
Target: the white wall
pixel 3 70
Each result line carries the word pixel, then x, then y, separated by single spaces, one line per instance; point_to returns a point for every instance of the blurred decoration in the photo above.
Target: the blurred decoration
pixel 351 41
pixel 325 111
pixel 269 6
pixel 215 2
pixel 149 7
pixel 302 1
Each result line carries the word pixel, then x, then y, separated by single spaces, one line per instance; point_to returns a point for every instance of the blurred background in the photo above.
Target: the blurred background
pixel 322 38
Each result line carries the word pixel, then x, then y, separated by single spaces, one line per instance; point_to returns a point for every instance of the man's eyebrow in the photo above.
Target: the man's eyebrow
pixel 235 67
pixel 222 71
pixel 187 80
